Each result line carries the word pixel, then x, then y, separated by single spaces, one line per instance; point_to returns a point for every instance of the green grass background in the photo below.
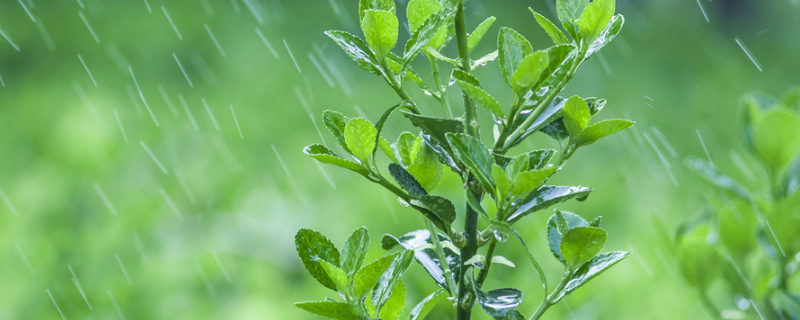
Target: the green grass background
pixel 211 235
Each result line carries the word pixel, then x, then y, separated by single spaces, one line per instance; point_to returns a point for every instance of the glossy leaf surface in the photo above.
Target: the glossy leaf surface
pixel 420 242
pixel 425 33
pixel 595 18
pixel 529 71
pixel 426 167
pixel 406 180
pixel 568 11
pixel 337 275
pixel 330 309
pixel 554 236
pixel 593 268
pixel 360 136
pixel 552 30
pixel 474 155
pixel 581 244
pixel 479 32
pixel 421 310
pixel 368 276
pixel 497 303
pixel 312 246
pixel 394 304
pixel 355 250
pixel 576 116
pixel 356 49
pixel 608 34
pixel 335 122
pixel 390 282
pixel 482 97
pixel 420 10
pixel 323 154
pixel 512 48
pixel 441 207
pixel 545 197
pixel 601 129
pixel 380 29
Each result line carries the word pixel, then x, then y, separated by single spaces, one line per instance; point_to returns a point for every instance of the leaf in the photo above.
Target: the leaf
pixel 364 5
pixel 312 247
pixel 421 243
pixel 581 244
pixel 336 122
pixel 710 173
pixel 337 275
pixel 482 61
pixel 592 269
pixel 441 207
pixel 442 150
pixel 698 263
pixel 526 182
pixel 601 129
pixel 568 11
pixel 605 37
pixel 551 29
pixel 596 222
pixel 502 182
pixel 380 31
pixel 408 73
pixel 550 114
pixel 460 75
pixel 554 237
pixel 426 167
pixel 420 10
pixel 368 276
pixel 537 159
pixel 425 33
pixel 475 156
pixel 387 149
pixel 355 250
pixel 385 116
pixel 390 282
pixel 435 127
pixel 576 116
pixel 529 71
pixel 482 97
pixel 512 48
pixel 533 260
pixel 497 303
pixel 323 154
pixel 777 137
pixel 545 197
pixel 595 18
pixel 356 49
pixel 406 180
pixel 394 305
pixel 330 309
pixel 479 32
pixel 421 310
pixel 360 136
pixel 406 148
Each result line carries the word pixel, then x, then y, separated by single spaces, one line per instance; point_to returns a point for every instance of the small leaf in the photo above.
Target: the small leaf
pixel 533 260
pixel 791 179
pixel 777 137
pixel 592 269
pixel 482 97
pixel 551 29
pixel 396 66
pixel 387 149
pixel 421 310
pixel 563 225
pixel 420 10
pixel 605 37
pixel 501 181
pixel 421 243
pixel 537 159
pixel 482 61
pixel 500 303
pixel 312 247
pixel 581 244
pixel 526 182
pixel 426 167
pixel 443 208
pixel 406 148
pixel 576 116
pixel 530 71
pixel 479 32
pixel 460 75
pixel 435 127
pixel 330 309
pixel 337 275
pixel 475 156
pixel 568 11
pixel 699 263
pixel 380 31
pixel 323 154
pixel 595 18
pixel 336 122
pixel 596 222
pixel 426 33
pixel 554 236
pixel 601 129
pixel 406 180
pixel 355 250
pixel 550 114
pixel 364 5
pixel 545 197
pixel 394 305
pixel 512 48
pixel 360 136
pixel 390 283
pixel 356 49
pixel 368 276
pixel 710 173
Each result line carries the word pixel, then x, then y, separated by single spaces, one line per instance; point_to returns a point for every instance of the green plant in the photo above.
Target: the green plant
pixel 751 237
pixel 516 185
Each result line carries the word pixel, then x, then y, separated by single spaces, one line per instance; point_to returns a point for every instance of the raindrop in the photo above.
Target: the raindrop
pixel 153 156
pixel 214 39
pixel 663 139
pixel 219 263
pixel 139 247
pixel 742 303
pixel 54 303
pixel 664 162
pixel 210 114
pixel 640 260
pixel 87 70
pixel 255 11
pixel 188 112
pixel 266 43
pixel 147 4
pixel 119 123
pixel 105 199
pixel 283 164
pixel 185 186
pixel 291 56
pixel 236 121
pixel 80 3
pixel 172 23
pixel 183 70
pixel 739 272
pixel 116 306
pixel 8 203
pixel 207 8
pixel 325 174
pixel 321 71
pixel 82 95
pixel 171 204
pixel 141 95
pixel 88 26
pixel 117 56
pixel 8 38
pixel 3 83
pixel 704 147
pixel 24 257
pixel 702 10
pixel 756 308
pixel 604 63
pixel 737 160
pixel 168 100
pixel 26 10
pixel 749 55
pixel 209 287
pixel 122 267
pixel 78 285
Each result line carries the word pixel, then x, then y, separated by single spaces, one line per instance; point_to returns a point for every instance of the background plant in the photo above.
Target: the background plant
pixel 515 184
pixel 748 239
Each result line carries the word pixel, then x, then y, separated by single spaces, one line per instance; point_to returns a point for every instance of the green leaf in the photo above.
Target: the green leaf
pixel 777 137
pixel 406 148
pixel 502 182
pixel 395 65
pixel 596 222
pixel 389 282
pixel 441 206
pixel 581 244
pixel 595 18
pixel 530 71
pixel 395 303
pixel 406 180
pixel 755 104
pixel 331 309
pixel 421 310
pixel 479 32
pixel 545 197
pixel 605 37
pixel 557 130
pixel 551 29
pixel 482 61
pixel 460 75
pixel 526 182
pixel 550 114
pixel 554 236
pixel 360 136
pixel 355 250
pixel 420 10
pixel 337 275
pixel 312 247
pixel 426 167
pixel 699 263
pixel 323 154
pixel 475 156
pixel 576 116
pixel 533 260
pixel 710 173
pixel 500 303
pixel 387 149
pixel 422 244
pixel 568 11
pixel 425 33
pixel 364 5
pixel 482 97
pixel 592 269
pixel 435 127
pixel 563 225
pixel 601 129
pixel 356 49
pixel 512 49
pixel 336 122
pixel 537 159
pixel 368 276
pixel 380 31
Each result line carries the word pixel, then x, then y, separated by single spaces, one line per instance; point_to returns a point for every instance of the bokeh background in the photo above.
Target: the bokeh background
pixel 132 190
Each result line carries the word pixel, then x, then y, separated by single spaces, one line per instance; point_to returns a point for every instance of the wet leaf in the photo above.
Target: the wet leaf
pixel 435 127
pixel 529 71
pixel 554 236
pixel 479 32
pixel 526 182
pixel 425 33
pixel 394 304
pixel 421 310
pixel 442 150
pixel 601 129
pixel 407 148
pixel 483 98
pixel 474 155
pixel 364 5
pixel 499 303
pixel 568 11
pixel 777 137
pixel 406 180
pixel 605 37
pixel 592 269
pixel 710 173
pixel 396 66
pixel 512 48
pixel 421 243
pixel 551 29
pixel 390 282
pixel 581 244
pixel 441 207
pixel 335 122
pixel 387 149
pixel 360 136
pixel 420 10
pixel 312 247
pixel 356 49
pixel 323 154
pixel 426 167
pixel 460 75
pixel 576 116
pixel 337 275
pixel 355 250
pixel 368 276
pixel 545 197
pixel 595 18
pixel 380 30
pixel 550 114
pixel 331 309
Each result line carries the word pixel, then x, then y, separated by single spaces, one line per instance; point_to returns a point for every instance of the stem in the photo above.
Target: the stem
pixel 467 252
pixel 471 121
pixel 446 272
pixel 551 299
pixel 442 91
pixel 488 263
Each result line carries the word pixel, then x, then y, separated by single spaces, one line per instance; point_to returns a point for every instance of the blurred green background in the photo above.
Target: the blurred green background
pixel 129 193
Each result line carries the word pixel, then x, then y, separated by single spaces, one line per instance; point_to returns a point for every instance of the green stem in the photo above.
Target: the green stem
pixel 488 263
pixel 471 120
pixel 551 299
pixel 440 90
pixel 437 245
pixel 467 252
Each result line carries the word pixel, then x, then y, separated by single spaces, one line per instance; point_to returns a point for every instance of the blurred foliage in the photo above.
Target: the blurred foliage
pixel 213 236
